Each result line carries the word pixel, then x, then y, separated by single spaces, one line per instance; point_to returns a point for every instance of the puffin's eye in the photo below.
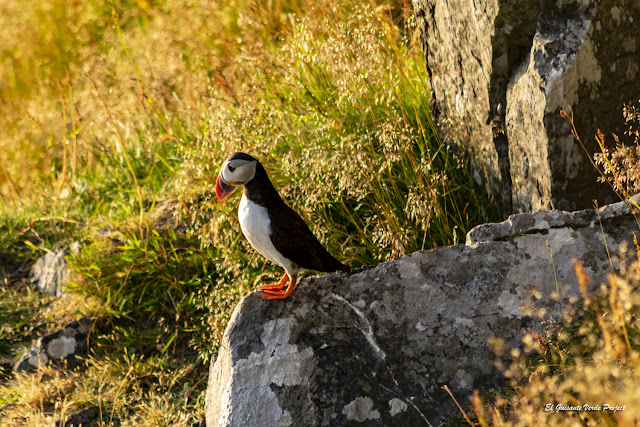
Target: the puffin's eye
pixel 231 168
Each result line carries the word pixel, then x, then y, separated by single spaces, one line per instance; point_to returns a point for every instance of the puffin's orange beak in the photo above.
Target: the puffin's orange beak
pixel 223 189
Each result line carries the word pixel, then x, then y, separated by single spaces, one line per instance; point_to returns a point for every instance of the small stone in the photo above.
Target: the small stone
pixel 67 346
pixel 50 273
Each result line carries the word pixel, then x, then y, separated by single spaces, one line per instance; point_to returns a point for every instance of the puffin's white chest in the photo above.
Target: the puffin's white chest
pixel 256 227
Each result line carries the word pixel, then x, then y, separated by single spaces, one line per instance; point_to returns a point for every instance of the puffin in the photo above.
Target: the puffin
pixel 275 230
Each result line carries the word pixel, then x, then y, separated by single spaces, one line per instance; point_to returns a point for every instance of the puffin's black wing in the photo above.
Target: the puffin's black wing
pixel 293 239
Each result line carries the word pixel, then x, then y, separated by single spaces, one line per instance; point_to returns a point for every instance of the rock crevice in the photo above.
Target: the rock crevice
pixel 502 71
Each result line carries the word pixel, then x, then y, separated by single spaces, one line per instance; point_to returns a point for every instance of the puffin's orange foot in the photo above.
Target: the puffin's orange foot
pixel 279 294
pixel 275 286
pixel 271 287
pixel 269 295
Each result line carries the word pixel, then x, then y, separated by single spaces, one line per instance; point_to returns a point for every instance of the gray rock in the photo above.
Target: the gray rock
pixel 375 347
pixel 32 360
pixel 501 72
pixel 65 347
pixel 50 273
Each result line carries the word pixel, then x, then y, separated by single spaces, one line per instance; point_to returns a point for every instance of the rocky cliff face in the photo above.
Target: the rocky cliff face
pixel 501 72
pixel 375 347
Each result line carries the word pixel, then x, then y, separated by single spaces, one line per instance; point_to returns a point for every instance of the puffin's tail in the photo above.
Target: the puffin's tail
pixel 338 266
pixel 332 264
pixel 344 268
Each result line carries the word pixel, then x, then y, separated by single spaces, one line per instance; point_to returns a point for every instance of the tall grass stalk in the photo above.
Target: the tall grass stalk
pixel 590 359
pixel 339 113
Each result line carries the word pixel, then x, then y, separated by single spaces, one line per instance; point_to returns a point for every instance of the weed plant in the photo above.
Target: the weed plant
pixel 621 166
pixel 582 371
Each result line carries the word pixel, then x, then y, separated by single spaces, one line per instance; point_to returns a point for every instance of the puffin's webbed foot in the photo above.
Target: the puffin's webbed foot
pixel 275 286
pixel 279 293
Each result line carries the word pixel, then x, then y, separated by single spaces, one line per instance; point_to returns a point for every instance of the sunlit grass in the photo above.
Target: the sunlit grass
pixel 339 114
pixel 589 361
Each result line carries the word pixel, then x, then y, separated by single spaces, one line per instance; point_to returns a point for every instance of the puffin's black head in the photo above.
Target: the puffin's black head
pixel 239 169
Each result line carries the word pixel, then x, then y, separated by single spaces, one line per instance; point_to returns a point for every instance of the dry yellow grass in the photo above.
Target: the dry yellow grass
pixel 581 372
pixel 69 91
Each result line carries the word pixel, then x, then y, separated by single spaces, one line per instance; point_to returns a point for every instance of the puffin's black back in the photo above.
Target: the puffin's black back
pixel 290 235
pixel 292 238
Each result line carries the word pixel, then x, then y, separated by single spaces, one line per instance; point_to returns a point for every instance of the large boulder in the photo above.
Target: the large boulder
pixel 501 72
pixel 375 347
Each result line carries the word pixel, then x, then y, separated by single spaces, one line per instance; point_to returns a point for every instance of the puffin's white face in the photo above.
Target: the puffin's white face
pixel 234 172
pixel 238 172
